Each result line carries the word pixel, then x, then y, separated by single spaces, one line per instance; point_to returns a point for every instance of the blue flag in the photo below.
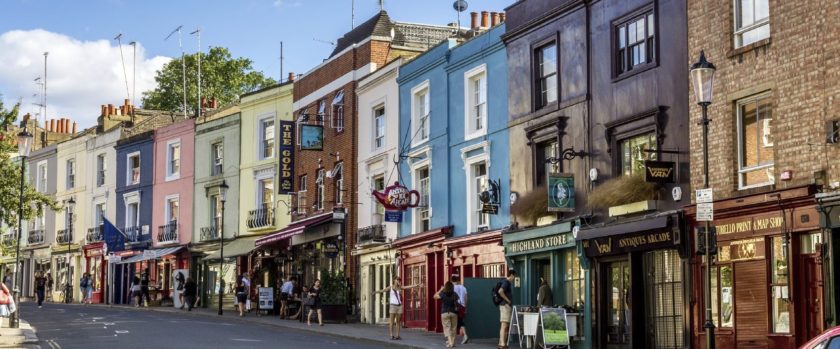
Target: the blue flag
pixel 114 238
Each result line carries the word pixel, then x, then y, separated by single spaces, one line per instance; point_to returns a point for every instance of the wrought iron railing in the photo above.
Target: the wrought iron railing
pixel 63 236
pixel 261 218
pixel 36 237
pixel 94 235
pixel 372 234
pixel 212 232
pixel 168 232
pixel 134 234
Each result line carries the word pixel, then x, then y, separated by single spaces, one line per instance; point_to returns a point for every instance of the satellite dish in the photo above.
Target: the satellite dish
pixel 460 5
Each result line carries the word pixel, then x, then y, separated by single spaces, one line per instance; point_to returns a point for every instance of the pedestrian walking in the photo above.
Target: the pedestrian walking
pixel 190 293
pixel 49 286
pixel 136 291
pixel 7 278
pixel 144 288
pixel 505 292
pixel 315 306
pixel 40 287
pixel 241 296
pixel 179 286
pixel 7 302
pixel 461 307
pixel 448 314
pixel 544 296
pixel 86 286
pixel 395 306
pixel 286 295
pixel 247 283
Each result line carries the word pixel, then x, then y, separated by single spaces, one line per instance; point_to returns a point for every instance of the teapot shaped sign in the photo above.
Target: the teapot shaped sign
pixel 397 197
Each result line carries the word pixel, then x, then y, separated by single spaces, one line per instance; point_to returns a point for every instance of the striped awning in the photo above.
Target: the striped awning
pixel 151 254
pixel 295 228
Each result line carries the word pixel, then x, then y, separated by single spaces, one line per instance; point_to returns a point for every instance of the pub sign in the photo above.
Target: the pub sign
pixel 287 157
pixel 561 192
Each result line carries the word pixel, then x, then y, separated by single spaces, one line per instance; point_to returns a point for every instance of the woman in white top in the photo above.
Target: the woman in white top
pixel 395 306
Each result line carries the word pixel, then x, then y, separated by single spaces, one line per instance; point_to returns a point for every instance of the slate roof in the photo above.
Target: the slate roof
pixel 421 36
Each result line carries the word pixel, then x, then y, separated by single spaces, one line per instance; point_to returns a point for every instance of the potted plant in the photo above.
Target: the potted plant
pixel 334 295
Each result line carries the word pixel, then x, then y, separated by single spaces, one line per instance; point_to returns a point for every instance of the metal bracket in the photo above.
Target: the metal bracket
pixel 567 154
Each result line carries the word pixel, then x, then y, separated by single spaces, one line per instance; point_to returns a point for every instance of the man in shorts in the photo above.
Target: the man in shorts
pixel 286 292
pixel 506 308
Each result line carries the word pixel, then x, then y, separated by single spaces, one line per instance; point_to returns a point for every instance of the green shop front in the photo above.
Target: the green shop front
pixel 549 252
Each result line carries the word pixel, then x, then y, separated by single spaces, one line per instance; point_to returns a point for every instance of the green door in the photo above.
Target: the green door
pixel 482 319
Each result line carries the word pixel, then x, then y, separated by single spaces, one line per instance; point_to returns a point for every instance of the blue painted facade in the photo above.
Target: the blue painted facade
pixel 126 192
pixel 450 153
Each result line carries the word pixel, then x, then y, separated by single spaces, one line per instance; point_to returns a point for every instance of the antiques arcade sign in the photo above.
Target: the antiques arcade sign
pixel 538 244
pixel 630 242
pixel 287 157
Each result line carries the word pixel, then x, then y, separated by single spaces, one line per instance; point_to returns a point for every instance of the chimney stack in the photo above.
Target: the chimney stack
pixel 494 19
pixel 50 126
pixel 75 127
pixel 473 20
pixel 104 110
pixel 66 125
pixel 291 76
pixel 485 18
pixel 501 17
pixel 111 110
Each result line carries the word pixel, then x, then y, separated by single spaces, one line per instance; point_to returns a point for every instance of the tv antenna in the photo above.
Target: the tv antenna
pixel 324 41
pixel 122 59
pixel 183 64
pixel 197 32
pixel 134 76
pixel 459 6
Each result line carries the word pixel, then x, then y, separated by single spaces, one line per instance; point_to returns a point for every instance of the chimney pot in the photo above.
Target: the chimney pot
pixel 50 126
pixel 57 126
pixel 67 125
pixel 64 123
pixel 110 109
pixel 473 20
pixel 494 19
pixel 291 76
pixel 75 127
pixel 501 17
pixel 485 17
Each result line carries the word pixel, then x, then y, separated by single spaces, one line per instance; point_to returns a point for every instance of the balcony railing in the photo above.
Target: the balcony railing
pixel 260 218
pixel 209 234
pixel 372 234
pixel 94 235
pixel 63 236
pixel 9 239
pixel 36 237
pixel 134 235
pixel 168 233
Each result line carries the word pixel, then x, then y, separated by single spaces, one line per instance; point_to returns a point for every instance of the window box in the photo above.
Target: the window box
pixel 636 207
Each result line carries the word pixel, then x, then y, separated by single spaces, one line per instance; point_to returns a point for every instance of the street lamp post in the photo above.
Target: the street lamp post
pixel 68 286
pixel 702 78
pixel 24 140
pixel 222 192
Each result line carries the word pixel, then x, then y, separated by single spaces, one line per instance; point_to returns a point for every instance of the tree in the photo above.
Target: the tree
pixel 222 77
pixel 34 202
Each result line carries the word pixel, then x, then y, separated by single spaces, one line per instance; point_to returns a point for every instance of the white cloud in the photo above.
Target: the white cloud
pixel 82 75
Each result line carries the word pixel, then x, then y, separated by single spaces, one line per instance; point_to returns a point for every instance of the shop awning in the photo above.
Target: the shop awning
pixel 295 228
pixel 235 248
pixel 659 222
pixel 151 254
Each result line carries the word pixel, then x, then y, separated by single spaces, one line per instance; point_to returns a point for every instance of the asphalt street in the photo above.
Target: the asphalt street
pixel 91 327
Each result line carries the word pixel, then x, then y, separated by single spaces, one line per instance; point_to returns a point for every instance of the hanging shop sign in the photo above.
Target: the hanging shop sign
pixel 330 250
pixel 659 171
pixel 287 157
pixel 490 197
pixel 397 197
pixel 311 137
pixel 630 242
pixel 393 216
pixel 561 192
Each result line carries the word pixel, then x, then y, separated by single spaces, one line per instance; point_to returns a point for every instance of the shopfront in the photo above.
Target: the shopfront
pixel 767 278
pixel 66 264
pixel 377 270
pixel 639 268
pixel 96 265
pixel 829 209
pixel 422 262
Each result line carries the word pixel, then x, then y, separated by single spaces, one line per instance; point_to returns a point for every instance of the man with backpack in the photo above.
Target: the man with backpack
pixel 502 295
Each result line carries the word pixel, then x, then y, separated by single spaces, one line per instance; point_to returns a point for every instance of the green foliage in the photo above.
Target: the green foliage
pixel 532 205
pixel 333 287
pixel 621 190
pixel 35 202
pixel 552 321
pixel 222 77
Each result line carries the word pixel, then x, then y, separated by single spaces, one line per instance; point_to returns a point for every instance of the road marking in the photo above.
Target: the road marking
pixel 53 344
pixel 246 340
pixel 121 332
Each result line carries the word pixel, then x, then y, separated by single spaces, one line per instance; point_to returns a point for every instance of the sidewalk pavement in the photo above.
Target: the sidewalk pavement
pixel 411 338
pixel 23 337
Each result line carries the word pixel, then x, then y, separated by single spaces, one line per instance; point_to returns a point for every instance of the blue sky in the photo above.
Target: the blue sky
pixel 79 36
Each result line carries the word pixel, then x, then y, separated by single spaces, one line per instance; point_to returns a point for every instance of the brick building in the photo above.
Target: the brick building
pixel 323 228
pixel 772 163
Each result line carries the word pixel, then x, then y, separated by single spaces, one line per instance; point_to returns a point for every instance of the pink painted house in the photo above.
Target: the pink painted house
pixel 173 197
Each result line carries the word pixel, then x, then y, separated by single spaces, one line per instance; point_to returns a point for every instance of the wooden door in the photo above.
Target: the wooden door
pixel 813 295
pixel 751 304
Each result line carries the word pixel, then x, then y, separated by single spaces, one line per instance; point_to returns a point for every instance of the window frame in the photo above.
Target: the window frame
pixel 171 145
pixel 42 176
pixel 738 30
pixel 260 201
pixel 416 220
pixel 416 118
pixel 379 139
pixel 167 209
pixel 132 198
pixel 320 189
pixel 70 175
pixel 338 183
pixel 377 207
pixel 537 77
pixel 740 135
pixel 128 168
pixel 301 195
pixel 651 53
pixel 262 137
pixel 217 158
pixel 474 214
pixel 101 169
pixel 471 103
pixel 773 283
pixel 620 148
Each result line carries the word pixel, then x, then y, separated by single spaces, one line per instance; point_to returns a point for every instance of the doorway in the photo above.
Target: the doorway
pixel 618 305
pixel 812 287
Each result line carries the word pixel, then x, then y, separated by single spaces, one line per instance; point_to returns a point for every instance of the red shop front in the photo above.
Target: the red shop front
pixel 96 265
pixel 478 255
pixel 422 262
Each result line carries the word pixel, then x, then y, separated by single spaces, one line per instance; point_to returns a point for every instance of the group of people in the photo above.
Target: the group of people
pixel 44 288
pixel 305 300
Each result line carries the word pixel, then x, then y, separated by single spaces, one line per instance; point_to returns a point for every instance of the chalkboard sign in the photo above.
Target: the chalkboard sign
pixel 266 298
pixel 554 329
